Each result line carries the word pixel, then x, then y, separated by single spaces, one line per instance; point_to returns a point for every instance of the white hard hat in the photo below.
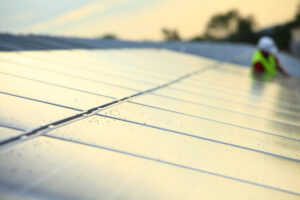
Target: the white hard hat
pixel 267 44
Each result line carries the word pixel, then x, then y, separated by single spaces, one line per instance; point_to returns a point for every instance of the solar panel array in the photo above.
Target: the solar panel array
pixel 143 124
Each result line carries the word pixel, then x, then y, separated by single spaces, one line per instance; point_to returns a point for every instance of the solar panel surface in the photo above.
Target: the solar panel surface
pixel 143 124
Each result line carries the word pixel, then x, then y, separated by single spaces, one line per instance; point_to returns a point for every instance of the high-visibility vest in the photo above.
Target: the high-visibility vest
pixel 269 64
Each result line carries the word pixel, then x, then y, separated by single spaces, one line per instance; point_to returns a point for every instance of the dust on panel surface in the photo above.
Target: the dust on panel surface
pixel 143 124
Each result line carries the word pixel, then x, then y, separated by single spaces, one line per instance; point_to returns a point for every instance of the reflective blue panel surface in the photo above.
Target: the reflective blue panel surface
pixel 228 106
pixel 36 74
pixel 144 124
pixel 64 170
pixel 7 132
pixel 27 114
pixel 220 115
pixel 208 129
pixel 50 93
pixel 254 101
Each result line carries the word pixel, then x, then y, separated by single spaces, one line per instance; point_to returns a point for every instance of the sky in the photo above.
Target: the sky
pixel 132 19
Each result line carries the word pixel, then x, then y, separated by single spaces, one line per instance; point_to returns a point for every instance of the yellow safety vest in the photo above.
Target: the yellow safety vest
pixel 269 64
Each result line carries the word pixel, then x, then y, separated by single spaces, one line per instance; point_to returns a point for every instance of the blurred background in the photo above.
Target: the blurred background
pixel 239 21
pixel 193 20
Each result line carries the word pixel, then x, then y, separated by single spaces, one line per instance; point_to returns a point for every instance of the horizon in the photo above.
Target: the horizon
pixel 132 19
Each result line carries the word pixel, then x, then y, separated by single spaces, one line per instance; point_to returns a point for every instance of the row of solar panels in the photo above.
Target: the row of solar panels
pixel 192 128
pixel 218 51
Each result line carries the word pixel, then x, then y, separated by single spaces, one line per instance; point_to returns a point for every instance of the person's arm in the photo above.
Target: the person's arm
pixel 281 69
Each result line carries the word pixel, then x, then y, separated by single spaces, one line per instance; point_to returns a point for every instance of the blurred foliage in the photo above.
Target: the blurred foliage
pixel 244 30
pixel 171 34
pixel 230 26
pixel 233 27
pixel 198 38
pixel 297 16
pixel 221 26
pixel 109 36
pixel 282 33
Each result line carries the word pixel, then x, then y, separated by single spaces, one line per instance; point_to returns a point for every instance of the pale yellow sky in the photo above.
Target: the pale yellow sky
pixel 188 16
pixel 144 19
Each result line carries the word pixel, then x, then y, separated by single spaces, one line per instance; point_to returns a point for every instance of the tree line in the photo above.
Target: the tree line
pixel 231 26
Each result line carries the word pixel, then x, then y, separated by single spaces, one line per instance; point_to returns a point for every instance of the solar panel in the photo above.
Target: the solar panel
pixel 7 131
pixel 143 124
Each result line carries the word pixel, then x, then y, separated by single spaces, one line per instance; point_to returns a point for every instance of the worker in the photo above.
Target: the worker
pixel 265 63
